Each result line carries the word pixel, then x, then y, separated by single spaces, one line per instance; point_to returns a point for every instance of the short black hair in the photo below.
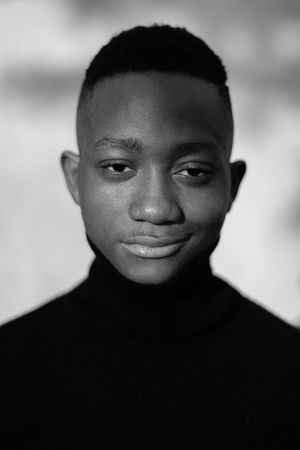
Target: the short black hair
pixel 159 48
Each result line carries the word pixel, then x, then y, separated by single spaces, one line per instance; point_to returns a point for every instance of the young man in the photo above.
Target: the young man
pixel 151 351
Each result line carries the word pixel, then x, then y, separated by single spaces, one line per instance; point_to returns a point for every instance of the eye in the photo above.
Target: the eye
pixel 193 172
pixel 117 168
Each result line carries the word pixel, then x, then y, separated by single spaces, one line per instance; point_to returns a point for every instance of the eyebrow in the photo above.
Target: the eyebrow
pixel 130 144
pixel 136 146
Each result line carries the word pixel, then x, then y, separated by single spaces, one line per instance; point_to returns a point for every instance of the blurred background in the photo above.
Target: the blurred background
pixel 46 47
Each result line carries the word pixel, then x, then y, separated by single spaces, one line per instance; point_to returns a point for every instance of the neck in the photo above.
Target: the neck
pixel 181 309
pixel 197 274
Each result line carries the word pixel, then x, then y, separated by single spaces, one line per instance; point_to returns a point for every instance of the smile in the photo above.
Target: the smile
pixel 148 247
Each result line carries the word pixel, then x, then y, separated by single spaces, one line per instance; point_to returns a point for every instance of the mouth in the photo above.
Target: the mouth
pixel 153 248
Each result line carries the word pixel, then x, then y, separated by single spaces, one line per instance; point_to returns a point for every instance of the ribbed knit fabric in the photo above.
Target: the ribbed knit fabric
pixel 116 365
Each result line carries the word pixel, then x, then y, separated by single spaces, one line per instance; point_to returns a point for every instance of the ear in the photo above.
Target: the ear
pixel 238 170
pixel 70 165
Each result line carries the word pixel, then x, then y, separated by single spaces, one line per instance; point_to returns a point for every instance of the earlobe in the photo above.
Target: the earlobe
pixel 70 165
pixel 238 170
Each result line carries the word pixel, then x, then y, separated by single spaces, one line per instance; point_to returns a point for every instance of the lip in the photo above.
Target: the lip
pixel 150 247
pixel 151 241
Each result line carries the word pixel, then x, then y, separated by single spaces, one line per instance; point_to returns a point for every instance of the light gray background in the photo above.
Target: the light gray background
pixel 45 48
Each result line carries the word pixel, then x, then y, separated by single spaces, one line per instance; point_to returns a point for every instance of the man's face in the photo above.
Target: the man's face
pixel 154 181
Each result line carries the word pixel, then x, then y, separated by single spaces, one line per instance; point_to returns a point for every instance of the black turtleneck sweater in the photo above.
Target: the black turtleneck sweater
pixel 116 365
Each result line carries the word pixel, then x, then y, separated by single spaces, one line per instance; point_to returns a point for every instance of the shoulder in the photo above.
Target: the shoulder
pixel 261 321
pixel 267 337
pixel 45 323
pixel 273 348
pixel 32 348
pixel 254 322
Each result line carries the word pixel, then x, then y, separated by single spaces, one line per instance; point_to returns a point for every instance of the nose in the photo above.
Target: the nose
pixel 154 202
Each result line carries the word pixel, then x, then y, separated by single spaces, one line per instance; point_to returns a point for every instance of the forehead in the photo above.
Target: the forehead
pixel 157 109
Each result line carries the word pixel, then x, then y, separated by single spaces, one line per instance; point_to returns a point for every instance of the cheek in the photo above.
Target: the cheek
pixel 207 209
pixel 101 208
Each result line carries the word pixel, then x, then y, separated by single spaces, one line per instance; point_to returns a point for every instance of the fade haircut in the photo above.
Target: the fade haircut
pixel 158 48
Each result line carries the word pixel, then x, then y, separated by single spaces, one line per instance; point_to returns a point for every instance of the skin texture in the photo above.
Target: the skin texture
pixel 170 176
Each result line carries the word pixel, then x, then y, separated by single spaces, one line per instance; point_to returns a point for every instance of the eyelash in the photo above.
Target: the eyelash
pixel 204 172
pixel 114 164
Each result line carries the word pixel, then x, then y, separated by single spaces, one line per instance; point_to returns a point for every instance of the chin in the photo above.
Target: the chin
pixel 154 275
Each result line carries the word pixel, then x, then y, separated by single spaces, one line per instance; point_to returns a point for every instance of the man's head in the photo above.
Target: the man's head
pixel 153 177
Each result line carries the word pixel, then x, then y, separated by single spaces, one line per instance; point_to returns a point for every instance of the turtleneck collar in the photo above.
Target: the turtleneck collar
pixel 193 303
